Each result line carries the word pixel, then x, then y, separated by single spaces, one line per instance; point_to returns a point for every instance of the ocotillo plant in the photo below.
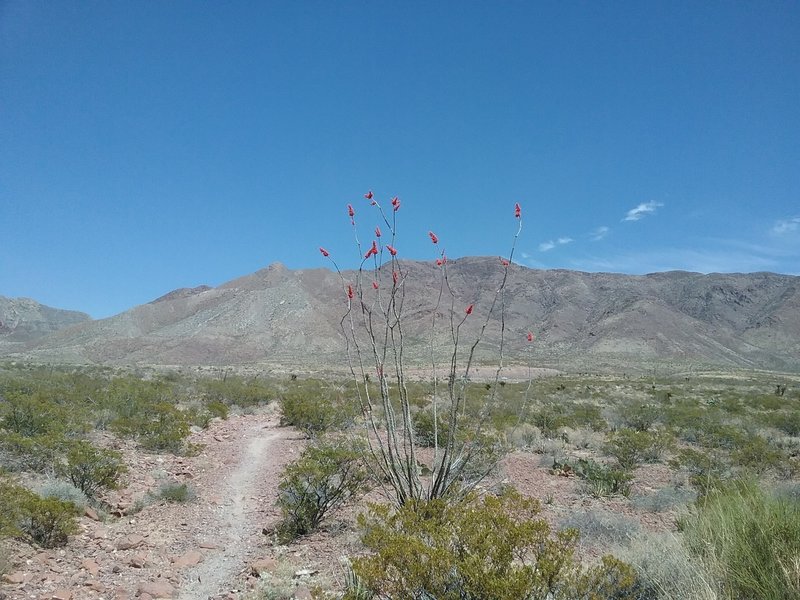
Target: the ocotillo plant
pixel 373 328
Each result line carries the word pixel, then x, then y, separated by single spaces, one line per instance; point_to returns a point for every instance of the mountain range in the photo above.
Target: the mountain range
pixel 278 318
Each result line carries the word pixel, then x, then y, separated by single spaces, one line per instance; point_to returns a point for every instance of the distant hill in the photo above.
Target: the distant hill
pixel 23 320
pixel 582 321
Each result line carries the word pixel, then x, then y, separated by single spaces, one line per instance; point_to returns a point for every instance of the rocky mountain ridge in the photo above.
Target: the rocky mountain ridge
pixel 582 321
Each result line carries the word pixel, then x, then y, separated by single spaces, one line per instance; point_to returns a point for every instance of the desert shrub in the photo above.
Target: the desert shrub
pixel 11 497
pixel 706 468
pixel 665 499
pixel 314 409
pixel 38 453
pixel 174 492
pixel 786 421
pixel 159 426
pixel 756 455
pixel 30 415
pixel 237 390
pixel 640 417
pixel 603 481
pixel 92 469
pixel 426 434
pixel 666 570
pixel 476 549
pixel 748 539
pixel 47 522
pixel 64 491
pixel 602 527
pixel 325 476
pixel 631 447
pixel 217 409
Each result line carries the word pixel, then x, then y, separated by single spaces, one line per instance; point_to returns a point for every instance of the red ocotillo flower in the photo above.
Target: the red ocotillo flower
pixel 504 262
pixel 439 262
pixel 468 310
pixel 394 277
pixel 377 232
pixel 374 285
pixel 433 237
pixel 530 336
pixel 395 203
pixel 392 250
pixel 350 293
pixel 373 250
pixel 351 213
pixel 324 252
pixel 368 195
pixel 517 210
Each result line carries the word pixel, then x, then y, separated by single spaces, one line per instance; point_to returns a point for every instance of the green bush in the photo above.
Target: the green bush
pixel 424 427
pixel 478 549
pixel 39 453
pixel 748 539
pixel 160 427
pixel 631 447
pixel 47 521
pixel 93 469
pixel 314 409
pixel 325 476
pixel 174 492
pixel 603 481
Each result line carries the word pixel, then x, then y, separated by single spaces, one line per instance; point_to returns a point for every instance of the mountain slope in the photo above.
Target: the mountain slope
pixel 23 320
pixel 583 321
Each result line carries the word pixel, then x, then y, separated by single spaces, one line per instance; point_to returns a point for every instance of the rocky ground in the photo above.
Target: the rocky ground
pixel 203 548
pixel 217 545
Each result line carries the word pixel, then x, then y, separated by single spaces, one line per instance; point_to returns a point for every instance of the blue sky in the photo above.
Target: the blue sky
pixel 146 146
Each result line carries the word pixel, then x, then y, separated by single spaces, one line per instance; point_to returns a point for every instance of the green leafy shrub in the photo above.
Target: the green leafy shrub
pixel 631 447
pixel 174 492
pixel 748 539
pixel 160 427
pixel 92 469
pixel 706 468
pixel 39 453
pixel 325 476
pixel 313 409
pixel 478 549
pixel 427 435
pixel 47 521
pixel 603 481
pixel 756 455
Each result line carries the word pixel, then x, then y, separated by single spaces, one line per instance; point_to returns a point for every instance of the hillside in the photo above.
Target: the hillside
pixel 23 320
pixel 582 321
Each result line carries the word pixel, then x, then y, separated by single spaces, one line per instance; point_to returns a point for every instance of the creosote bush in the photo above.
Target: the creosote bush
pixel 326 475
pixel 92 469
pixel 475 549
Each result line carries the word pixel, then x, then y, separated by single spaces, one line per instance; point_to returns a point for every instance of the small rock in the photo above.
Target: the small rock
pixel 263 565
pixel 130 541
pixel 209 546
pixel 15 577
pixel 116 569
pixel 61 595
pixel 305 572
pixel 302 593
pixel 95 585
pixel 91 513
pixel 189 559
pixel 91 566
pixel 138 561
pixel 156 589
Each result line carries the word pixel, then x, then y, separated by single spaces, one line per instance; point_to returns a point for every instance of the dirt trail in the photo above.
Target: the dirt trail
pixel 239 519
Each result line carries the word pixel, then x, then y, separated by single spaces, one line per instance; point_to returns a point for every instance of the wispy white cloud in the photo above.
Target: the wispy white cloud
pixel 784 226
pixel 641 211
pixel 598 234
pixel 525 255
pixel 710 260
pixel 550 244
pixel 545 246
